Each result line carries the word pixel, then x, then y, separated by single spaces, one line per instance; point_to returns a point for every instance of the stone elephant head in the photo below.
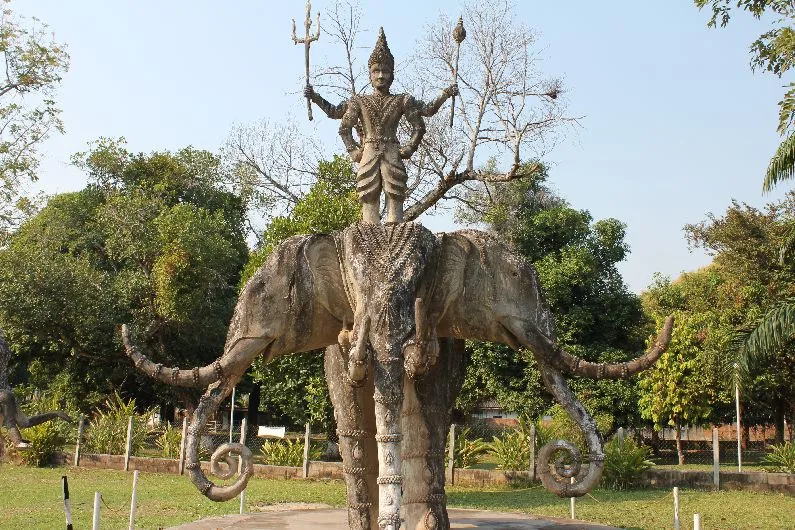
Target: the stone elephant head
pixel 385 296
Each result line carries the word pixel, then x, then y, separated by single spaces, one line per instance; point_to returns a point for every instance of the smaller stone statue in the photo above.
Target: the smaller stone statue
pixel 11 415
pixel 379 154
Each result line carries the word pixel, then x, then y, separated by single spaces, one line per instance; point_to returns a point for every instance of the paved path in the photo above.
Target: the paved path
pixel 298 517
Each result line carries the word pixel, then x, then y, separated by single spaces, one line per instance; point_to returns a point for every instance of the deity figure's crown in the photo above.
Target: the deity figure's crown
pixel 381 54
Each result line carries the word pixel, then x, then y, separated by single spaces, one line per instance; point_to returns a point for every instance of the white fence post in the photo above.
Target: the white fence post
pixel 676 508
pixel 451 454
pixel 67 505
pixel 306 451
pixel 243 429
pixel 133 500
pixel 242 502
pixel 80 427
pixel 715 458
pixel 232 415
pixel 129 444
pixel 182 445
pixel 696 521
pixel 739 420
pixel 532 452
pixel 95 522
pixel 571 500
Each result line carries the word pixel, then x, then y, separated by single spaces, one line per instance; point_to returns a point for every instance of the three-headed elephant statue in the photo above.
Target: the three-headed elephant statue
pixel 392 304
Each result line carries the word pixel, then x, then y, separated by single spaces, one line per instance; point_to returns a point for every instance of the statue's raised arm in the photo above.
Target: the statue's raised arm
pixel 335 112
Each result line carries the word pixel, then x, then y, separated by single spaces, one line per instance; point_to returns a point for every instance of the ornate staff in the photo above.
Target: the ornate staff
pixel 307 41
pixel 459 34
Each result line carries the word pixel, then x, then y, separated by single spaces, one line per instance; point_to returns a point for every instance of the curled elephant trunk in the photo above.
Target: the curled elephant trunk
pixel 579 367
pixel 242 351
pixel 208 404
pixel 569 479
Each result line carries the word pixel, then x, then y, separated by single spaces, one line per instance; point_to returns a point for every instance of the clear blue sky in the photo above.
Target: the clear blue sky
pixel 674 123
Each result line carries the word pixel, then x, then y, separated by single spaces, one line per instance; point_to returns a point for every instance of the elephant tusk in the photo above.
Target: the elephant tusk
pixel 357 360
pixel 579 367
pixel 198 376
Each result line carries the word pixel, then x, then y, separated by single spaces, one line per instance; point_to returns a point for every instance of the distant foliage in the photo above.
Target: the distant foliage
pixel 781 459
pixel 625 462
pixel 169 441
pixel 288 452
pixel 513 449
pixel 468 450
pixel 107 432
pixel 48 439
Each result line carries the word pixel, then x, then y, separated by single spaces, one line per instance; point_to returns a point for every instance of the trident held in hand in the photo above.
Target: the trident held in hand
pixel 307 41
pixel 459 34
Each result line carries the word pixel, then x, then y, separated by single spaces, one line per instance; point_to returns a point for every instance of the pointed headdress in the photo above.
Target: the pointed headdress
pixel 381 54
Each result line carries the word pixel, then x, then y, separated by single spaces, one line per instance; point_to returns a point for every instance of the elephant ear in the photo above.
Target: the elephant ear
pixel 323 261
pixel 450 272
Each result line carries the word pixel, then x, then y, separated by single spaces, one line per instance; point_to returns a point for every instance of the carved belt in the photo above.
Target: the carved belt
pixel 378 141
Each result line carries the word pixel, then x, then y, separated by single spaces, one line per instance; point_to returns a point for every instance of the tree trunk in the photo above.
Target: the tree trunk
pixel 679 452
pixel 253 407
pixel 745 438
pixel 779 420
pixel 655 441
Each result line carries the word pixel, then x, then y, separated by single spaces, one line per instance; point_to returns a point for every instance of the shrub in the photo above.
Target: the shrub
pixel 468 451
pixel 107 432
pixel 47 439
pixel 781 459
pixel 512 450
pixel 625 462
pixel 169 441
pixel 288 452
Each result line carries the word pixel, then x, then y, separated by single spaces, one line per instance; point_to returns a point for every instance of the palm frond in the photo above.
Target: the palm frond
pixel 773 329
pixel 782 165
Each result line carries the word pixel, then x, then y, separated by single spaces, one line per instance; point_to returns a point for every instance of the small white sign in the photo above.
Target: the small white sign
pixel 270 432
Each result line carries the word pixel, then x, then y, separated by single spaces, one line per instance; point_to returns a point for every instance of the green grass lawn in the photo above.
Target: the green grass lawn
pixel 31 498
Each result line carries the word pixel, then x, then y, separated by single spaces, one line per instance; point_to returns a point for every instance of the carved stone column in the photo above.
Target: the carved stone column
pixel 354 412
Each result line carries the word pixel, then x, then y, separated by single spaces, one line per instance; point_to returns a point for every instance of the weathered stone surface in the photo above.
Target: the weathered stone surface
pixel 376 118
pixel 382 298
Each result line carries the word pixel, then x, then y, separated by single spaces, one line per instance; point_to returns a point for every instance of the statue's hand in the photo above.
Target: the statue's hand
pixel 309 91
pixel 452 90
pixel 355 154
pixel 406 152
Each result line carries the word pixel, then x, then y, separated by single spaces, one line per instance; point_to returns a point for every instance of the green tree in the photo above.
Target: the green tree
pixel 746 243
pixel 34 63
pixel 596 315
pixel 153 241
pixel 685 385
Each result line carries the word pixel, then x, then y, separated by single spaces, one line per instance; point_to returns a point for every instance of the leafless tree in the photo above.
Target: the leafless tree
pixel 508 115
pixel 271 165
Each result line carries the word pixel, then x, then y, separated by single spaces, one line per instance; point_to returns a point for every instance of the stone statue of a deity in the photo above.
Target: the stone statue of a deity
pixel 379 153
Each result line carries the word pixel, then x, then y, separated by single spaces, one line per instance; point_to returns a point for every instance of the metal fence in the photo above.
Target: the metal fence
pixel 165 440
pixel 476 444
